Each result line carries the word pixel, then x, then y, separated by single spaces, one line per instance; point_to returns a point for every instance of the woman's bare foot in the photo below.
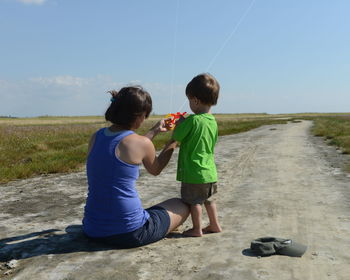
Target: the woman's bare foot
pixel 178 229
pixel 193 233
pixel 212 229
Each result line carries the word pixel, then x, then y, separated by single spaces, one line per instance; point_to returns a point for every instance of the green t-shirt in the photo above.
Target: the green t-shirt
pixel 198 135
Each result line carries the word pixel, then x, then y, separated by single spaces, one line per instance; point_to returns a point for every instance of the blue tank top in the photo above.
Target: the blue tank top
pixel 112 205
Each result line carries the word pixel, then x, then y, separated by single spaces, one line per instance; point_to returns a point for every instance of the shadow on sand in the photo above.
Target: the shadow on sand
pixel 249 253
pixel 53 241
pixel 47 242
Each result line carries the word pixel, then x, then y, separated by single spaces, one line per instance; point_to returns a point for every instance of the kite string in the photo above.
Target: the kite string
pixel 230 35
pixel 226 41
pixel 174 56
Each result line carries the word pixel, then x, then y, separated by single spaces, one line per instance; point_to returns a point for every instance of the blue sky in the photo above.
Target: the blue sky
pixel 59 57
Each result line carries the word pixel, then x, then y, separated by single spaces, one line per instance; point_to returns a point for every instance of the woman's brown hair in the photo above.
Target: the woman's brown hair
pixel 127 104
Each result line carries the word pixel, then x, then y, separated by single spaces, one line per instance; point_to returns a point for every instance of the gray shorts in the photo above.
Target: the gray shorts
pixel 198 193
pixel 155 228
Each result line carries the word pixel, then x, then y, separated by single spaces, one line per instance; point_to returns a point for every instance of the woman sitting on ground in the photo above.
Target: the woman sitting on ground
pixel 113 210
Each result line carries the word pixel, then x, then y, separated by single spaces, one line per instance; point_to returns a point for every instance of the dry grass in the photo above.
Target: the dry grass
pixel 34 146
pixel 337 130
pixel 51 120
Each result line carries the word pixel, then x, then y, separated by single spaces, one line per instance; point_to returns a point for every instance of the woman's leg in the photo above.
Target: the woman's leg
pixel 178 212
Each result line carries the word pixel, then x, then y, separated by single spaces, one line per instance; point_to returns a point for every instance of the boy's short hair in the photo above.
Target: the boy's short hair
pixel 127 104
pixel 205 88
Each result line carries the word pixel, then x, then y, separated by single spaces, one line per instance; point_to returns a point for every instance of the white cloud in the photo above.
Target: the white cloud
pixel 34 2
pixel 63 81
pixel 59 95
pixel 71 95
pixel 66 95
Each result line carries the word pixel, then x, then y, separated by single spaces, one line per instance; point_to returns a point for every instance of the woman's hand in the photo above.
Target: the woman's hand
pixel 160 126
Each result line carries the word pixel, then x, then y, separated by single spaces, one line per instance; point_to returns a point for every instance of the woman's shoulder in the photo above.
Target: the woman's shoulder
pixel 136 139
pixel 131 148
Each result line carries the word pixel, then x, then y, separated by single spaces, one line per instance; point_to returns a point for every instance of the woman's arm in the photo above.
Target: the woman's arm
pixel 135 149
pixel 158 127
pixel 155 164
pixel 91 143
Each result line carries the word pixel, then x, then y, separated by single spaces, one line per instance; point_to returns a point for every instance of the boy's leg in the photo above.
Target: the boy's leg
pixel 196 215
pixel 214 225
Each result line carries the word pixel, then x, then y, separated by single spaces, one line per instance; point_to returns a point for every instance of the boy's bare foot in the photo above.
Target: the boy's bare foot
pixel 193 233
pixel 212 229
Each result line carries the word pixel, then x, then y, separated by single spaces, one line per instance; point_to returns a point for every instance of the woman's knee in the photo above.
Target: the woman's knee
pixel 176 206
pixel 177 210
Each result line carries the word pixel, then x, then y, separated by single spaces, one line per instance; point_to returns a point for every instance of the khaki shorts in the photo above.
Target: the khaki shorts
pixel 198 193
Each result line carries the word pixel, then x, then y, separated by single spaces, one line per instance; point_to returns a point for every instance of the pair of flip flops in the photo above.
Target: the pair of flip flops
pixel 267 246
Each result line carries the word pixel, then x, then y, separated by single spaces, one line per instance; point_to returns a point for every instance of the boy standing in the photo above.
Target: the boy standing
pixel 196 169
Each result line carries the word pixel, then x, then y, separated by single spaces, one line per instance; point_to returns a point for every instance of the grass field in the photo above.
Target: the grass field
pixel 35 146
pixel 335 129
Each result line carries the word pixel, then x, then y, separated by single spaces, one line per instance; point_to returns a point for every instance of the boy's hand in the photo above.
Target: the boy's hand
pixel 180 120
pixel 173 119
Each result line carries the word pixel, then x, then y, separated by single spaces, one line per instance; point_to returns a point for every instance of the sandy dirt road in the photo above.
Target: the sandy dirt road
pixel 274 181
